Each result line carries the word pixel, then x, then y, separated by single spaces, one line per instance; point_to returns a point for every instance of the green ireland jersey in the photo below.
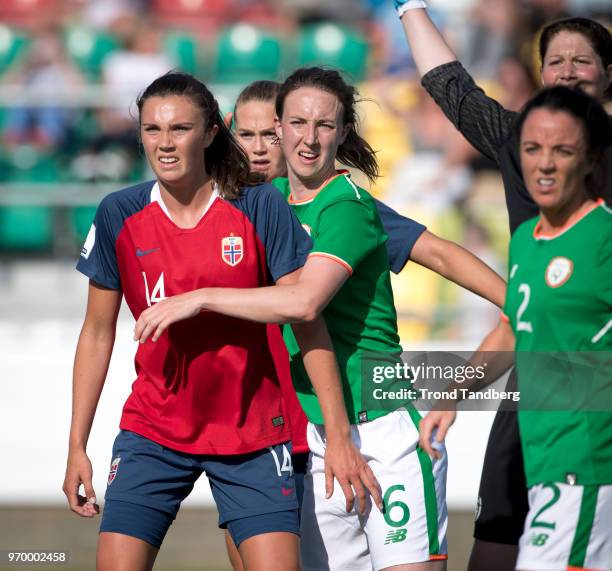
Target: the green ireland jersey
pixel 343 222
pixel 559 304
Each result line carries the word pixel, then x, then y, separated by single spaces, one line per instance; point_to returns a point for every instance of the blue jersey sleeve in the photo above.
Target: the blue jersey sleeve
pixel 402 232
pixel 98 260
pixel 285 241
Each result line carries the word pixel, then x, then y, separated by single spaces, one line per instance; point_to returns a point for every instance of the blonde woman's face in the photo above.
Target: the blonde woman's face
pixel 254 127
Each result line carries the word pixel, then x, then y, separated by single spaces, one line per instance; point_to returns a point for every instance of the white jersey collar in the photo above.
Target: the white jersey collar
pixel 156 197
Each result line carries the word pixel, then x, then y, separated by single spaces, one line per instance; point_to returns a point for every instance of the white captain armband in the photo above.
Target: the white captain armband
pixel 402 6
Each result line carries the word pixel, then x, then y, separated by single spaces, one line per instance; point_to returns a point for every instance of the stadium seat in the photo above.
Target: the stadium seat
pixel 88 48
pixel 32 166
pixel 26 228
pixel 81 218
pixel 246 53
pixel 183 49
pixel 205 16
pixel 28 13
pixel 332 45
pixel 29 228
pixel 12 44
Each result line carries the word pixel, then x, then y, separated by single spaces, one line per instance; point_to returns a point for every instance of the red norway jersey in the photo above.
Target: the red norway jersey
pixel 209 385
pixel 293 408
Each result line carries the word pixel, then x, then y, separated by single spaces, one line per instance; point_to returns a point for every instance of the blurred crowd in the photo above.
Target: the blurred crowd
pixel 71 69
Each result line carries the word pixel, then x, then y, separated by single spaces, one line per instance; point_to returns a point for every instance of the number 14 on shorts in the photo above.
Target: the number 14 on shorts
pixel 396 514
pixel 287 465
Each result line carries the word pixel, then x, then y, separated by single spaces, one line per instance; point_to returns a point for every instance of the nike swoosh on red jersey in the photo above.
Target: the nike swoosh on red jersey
pixel 140 252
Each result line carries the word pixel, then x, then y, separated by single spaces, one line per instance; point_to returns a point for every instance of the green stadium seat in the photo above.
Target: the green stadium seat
pixel 32 166
pixel 335 46
pixel 81 218
pixel 88 48
pixel 246 53
pixel 182 49
pixel 26 228
pixel 3 115
pixel 12 45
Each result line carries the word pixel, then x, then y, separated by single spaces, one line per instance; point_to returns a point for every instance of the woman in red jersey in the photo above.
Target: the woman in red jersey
pixel 206 396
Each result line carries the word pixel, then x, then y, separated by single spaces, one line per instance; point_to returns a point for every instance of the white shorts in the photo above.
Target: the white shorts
pixel 567 527
pixel 412 530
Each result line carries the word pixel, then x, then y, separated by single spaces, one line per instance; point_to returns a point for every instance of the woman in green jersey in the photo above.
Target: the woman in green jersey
pixel 558 318
pixel 254 125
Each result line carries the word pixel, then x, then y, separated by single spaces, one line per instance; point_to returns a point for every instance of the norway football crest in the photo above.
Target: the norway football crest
pixel 232 250
pixel 113 470
pixel 559 271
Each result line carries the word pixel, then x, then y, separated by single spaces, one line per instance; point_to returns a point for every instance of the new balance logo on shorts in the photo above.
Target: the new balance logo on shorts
pixel 395 536
pixel 539 539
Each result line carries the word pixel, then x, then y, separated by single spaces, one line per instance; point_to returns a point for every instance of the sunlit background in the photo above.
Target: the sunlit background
pixel 69 73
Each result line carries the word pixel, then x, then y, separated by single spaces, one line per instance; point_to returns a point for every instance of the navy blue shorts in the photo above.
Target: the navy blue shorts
pixel 255 493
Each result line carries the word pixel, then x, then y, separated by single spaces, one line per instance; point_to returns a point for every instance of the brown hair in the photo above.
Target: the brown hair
pixel 224 160
pixel 596 124
pixel 355 151
pixel 597 35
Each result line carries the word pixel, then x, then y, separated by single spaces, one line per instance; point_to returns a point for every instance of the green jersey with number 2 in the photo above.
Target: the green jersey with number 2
pixel 559 304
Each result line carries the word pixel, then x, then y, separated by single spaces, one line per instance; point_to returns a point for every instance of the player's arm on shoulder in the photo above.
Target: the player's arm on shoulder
pixel 91 363
pixel 298 297
pixel 331 262
pixel 459 265
pixel 317 284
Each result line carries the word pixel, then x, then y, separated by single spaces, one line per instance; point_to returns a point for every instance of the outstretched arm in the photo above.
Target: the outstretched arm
pixel 428 46
pixel 459 265
pixel 287 302
pixel 479 118
pixel 91 363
